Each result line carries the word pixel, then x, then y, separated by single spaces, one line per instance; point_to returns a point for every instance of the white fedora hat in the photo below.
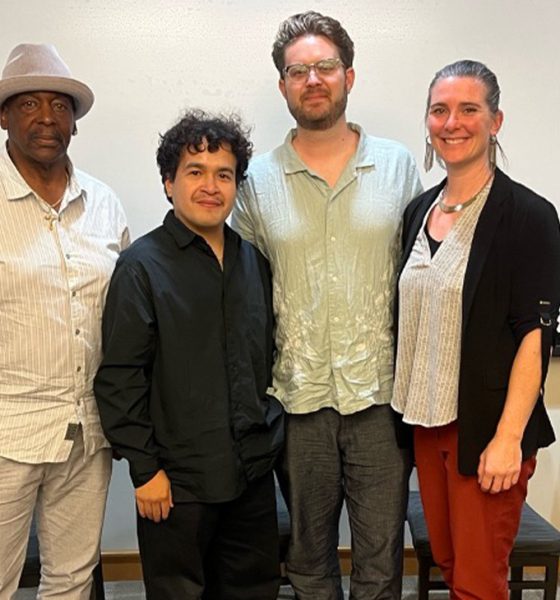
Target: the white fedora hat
pixel 39 68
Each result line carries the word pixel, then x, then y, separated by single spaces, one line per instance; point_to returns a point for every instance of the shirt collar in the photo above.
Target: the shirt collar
pixel 183 236
pixel 364 157
pixel 20 189
pixel 75 189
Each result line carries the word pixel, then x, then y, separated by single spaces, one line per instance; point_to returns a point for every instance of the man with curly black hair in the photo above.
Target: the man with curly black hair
pixel 182 389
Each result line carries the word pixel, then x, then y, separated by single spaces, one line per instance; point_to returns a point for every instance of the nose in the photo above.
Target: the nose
pixel 312 77
pixel 45 114
pixel 453 121
pixel 209 183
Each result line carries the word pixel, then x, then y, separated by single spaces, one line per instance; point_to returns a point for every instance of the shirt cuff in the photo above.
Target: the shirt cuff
pixel 141 471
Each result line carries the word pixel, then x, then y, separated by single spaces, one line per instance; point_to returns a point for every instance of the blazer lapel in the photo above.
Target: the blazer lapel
pixel 482 240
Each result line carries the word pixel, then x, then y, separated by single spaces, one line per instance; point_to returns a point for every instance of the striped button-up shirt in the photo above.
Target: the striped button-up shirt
pixel 54 272
pixel 333 253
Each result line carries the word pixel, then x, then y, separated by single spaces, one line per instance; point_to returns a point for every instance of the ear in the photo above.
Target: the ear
pixel 282 87
pixel 498 122
pixel 168 188
pixel 3 118
pixel 350 77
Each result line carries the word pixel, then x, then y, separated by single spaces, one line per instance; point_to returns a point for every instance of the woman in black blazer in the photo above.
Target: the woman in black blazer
pixel 478 297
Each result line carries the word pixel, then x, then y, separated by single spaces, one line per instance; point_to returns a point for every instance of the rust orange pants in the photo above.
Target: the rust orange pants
pixel 471 532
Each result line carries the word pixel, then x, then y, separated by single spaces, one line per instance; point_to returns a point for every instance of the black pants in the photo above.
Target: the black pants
pixel 224 551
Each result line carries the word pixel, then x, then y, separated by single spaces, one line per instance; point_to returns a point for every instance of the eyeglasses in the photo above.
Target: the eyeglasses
pixel 323 68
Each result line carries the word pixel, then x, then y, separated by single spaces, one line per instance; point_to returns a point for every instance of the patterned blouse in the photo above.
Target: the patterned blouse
pixel 430 300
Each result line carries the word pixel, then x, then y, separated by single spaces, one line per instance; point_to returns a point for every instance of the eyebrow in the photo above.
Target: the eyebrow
pixel 57 97
pixel 204 167
pixel 465 103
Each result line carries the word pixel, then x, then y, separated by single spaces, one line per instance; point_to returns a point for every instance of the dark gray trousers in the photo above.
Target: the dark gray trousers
pixel 330 458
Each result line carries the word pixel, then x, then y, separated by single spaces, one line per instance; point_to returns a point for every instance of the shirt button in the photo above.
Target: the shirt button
pixel 333 239
pixel 67 256
pixel 336 319
pixel 77 332
pixel 78 369
pixel 73 293
pixel 334 278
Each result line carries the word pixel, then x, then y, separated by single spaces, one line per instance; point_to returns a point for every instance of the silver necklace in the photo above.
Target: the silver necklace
pixel 454 208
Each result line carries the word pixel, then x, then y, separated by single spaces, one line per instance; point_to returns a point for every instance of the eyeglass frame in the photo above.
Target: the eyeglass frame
pixel 313 66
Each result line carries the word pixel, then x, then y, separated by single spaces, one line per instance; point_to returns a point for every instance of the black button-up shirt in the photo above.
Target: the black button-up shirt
pixel 187 362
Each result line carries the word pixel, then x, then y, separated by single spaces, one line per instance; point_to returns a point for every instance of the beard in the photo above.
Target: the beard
pixel 319 120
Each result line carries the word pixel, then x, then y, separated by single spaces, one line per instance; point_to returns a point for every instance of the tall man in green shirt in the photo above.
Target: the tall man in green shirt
pixel 325 208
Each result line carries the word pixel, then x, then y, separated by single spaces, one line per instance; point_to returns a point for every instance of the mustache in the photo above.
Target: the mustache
pixel 315 92
pixel 53 134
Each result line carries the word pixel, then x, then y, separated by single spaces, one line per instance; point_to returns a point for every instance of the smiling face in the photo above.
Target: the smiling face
pixel 460 122
pixel 319 101
pixel 203 190
pixel 39 126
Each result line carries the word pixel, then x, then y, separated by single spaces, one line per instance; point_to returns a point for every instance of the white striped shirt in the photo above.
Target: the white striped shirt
pixel 54 273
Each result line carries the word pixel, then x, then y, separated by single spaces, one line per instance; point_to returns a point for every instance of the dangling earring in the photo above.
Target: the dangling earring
pixel 492 151
pixel 75 130
pixel 428 155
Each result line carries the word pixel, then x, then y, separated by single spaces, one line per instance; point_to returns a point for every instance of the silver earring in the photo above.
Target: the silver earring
pixel 428 155
pixel 492 151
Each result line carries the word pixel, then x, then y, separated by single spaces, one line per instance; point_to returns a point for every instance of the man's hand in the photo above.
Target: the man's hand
pixel 154 499
pixel 500 464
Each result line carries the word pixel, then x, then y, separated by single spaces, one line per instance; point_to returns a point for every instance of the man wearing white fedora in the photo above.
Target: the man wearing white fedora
pixel 60 234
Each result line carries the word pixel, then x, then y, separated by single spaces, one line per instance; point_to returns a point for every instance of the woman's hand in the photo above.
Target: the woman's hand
pixel 500 464
pixel 154 498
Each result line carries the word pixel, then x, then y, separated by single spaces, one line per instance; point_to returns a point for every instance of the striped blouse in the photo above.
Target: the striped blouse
pixel 430 308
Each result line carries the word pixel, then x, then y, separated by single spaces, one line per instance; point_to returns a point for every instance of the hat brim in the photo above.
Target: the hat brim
pixel 80 92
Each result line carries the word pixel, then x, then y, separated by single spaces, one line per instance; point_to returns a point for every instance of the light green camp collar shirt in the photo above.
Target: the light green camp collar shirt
pixel 333 254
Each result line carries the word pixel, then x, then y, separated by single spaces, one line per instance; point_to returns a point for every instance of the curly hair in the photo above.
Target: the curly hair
pixel 198 131
pixel 311 23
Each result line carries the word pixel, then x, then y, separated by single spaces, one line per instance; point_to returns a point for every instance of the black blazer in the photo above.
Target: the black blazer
pixel 512 285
